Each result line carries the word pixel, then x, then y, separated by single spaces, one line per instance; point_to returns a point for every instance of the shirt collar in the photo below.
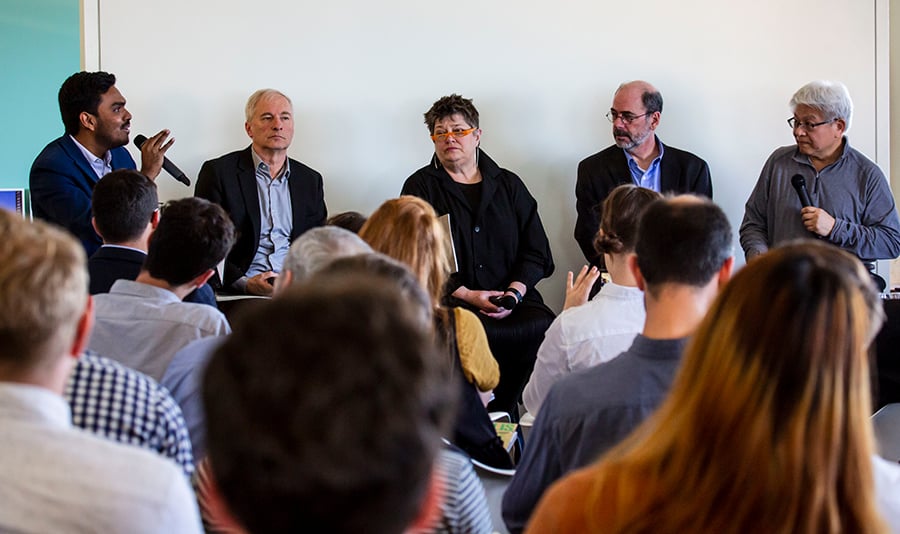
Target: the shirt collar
pixel 33 403
pixel 88 155
pixel 655 161
pixel 259 163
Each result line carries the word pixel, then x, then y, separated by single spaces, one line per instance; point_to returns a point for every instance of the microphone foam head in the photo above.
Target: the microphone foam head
pixel 140 139
pixel 798 181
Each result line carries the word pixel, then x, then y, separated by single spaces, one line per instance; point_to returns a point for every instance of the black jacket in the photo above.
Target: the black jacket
pixel 500 241
pixel 230 181
pixel 599 174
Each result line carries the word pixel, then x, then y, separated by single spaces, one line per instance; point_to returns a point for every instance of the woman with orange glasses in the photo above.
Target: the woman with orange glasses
pixel 499 241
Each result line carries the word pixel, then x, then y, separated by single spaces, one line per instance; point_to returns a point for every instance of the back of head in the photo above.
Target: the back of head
pixel 318 247
pixel 773 395
pixel 682 240
pixel 81 92
pixel 193 236
pixel 43 281
pixel 123 204
pixel 349 220
pixel 830 97
pixel 408 230
pixel 325 407
pixel 622 210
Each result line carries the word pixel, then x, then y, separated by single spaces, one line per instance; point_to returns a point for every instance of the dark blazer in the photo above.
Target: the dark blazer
pixel 62 182
pixel 230 181
pixel 109 264
pixel 497 242
pixel 599 174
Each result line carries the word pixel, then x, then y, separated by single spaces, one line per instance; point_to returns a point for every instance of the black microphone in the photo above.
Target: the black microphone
pixel 170 167
pixel 799 183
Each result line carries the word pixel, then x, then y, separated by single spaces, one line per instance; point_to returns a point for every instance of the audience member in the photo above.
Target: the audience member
pixel 97 128
pixel 125 211
pixel 143 323
pixel 310 252
pixel 851 202
pixel 408 230
pixel 598 331
pixel 57 478
pixel 767 426
pixel 349 220
pixel 637 157
pixel 289 195
pixel 501 247
pixel 121 404
pixel 682 257
pixel 331 450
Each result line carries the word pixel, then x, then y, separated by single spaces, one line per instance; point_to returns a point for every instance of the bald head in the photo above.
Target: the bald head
pixel 649 96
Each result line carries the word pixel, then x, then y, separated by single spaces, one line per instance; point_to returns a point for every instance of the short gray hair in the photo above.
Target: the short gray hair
pixel 318 247
pixel 829 97
pixel 259 95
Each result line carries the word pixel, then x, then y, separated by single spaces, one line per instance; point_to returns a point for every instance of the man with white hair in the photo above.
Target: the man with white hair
pixel 851 205
pixel 271 198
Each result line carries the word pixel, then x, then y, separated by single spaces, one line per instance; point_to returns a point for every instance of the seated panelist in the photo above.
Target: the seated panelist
pixel 271 198
pixel 501 247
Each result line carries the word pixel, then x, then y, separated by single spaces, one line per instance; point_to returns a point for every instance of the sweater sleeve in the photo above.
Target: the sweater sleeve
pixel 478 363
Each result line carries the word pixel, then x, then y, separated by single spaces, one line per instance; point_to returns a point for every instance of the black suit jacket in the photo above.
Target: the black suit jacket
pixel 109 264
pixel 599 174
pixel 230 181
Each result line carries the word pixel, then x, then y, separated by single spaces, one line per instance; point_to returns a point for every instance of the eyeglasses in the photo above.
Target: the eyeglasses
pixel 794 124
pixel 626 116
pixel 456 134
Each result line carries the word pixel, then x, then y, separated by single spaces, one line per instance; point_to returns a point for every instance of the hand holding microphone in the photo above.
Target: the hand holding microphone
pixel 153 157
pixel 816 220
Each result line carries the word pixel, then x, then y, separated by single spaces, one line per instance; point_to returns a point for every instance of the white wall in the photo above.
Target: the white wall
pixel 542 75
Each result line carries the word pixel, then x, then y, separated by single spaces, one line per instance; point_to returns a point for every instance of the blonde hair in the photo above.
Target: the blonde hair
pixel 767 424
pixel 43 283
pixel 408 230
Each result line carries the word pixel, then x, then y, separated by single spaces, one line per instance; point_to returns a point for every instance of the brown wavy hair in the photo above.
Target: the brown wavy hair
pixel 622 210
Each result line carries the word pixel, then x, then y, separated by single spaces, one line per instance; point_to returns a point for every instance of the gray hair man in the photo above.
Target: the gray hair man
pixel 850 202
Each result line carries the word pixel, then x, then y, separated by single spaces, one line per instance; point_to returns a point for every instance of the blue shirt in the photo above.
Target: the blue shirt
pixel 275 217
pixel 649 178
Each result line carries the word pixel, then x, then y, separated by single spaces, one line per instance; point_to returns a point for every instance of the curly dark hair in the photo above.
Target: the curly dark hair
pixel 451 105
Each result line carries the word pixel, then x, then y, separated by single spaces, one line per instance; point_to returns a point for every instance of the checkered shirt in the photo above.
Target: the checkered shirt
pixel 119 403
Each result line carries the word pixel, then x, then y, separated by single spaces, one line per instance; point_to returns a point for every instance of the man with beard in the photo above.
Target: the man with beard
pixel 97 127
pixel 638 157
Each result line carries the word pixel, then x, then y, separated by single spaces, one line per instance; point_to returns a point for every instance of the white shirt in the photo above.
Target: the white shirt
pixel 60 479
pixel 887 491
pixel 142 326
pixel 585 336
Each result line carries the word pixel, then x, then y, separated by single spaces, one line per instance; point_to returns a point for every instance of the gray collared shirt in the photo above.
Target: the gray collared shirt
pixel 102 166
pixel 275 217
pixel 142 326
pixel 853 190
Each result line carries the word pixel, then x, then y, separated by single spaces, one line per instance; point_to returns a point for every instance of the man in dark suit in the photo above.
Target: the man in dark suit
pixel 271 198
pixel 125 209
pixel 97 128
pixel 638 157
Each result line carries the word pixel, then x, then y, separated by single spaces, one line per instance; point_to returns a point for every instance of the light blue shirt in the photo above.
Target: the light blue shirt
pixel 102 166
pixel 646 178
pixel 275 217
